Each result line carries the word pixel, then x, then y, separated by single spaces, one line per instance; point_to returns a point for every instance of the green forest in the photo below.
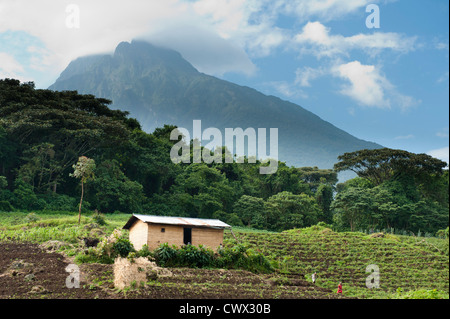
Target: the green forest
pixel 45 133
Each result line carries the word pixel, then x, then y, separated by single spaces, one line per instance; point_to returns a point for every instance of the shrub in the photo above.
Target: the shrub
pixel 166 255
pixel 144 252
pixel 59 202
pixel 236 257
pixel 257 262
pixel 192 256
pixel 31 218
pixel 25 198
pixel 443 233
pixel 239 256
pixel 3 182
pixel 5 206
pixel 122 247
pixel 99 219
pixel 117 244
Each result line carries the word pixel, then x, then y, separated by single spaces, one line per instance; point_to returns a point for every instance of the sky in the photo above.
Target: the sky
pixel 376 69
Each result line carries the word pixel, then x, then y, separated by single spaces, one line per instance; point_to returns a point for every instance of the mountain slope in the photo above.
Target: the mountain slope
pixel 157 86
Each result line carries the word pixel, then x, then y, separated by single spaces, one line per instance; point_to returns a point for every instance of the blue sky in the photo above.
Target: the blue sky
pixel 388 85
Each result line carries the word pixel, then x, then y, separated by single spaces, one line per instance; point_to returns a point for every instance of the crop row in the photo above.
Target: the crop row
pixel 344 257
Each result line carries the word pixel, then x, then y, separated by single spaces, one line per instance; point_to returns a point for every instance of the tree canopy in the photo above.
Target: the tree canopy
pixel 395 188
pixel 380 165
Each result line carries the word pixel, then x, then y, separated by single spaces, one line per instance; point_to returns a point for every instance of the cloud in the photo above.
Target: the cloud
pixel 206 50
pixel 323 9
pixel 443 78
pixel 322 43
pixel 286 89
pixel 441 153
pixel 104 24
pixel 442 46
pixel 443 133
pixel 249 23
pixel 367 86
pixel 303 76
pixel 405 137
pixel 9 66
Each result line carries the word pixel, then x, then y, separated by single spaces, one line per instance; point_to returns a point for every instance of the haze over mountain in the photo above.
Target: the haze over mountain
pixel 157 86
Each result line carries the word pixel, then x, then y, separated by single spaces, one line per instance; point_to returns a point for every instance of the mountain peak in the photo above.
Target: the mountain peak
pixel 146 54
pixel 157 86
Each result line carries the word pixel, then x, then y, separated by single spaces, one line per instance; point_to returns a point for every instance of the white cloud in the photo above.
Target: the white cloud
pixel 324 9
pixel 249 23
pixel 322 43
pixel 367 86
pixel 206 50
pixel 442 46
pixel 443 78
pixel 9 66
pixel 287 89
pixel 441 153
pixel 104 24
pixel 405 137
pixel 443 133
pixel 303 76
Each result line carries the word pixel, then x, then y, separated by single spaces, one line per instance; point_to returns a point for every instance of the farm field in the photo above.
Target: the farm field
pixel 409 267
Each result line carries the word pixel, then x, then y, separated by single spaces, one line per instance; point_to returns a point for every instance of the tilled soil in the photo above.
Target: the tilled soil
pixel 29 272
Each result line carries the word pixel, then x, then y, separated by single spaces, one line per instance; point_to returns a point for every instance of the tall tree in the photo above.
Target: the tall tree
pixel 354 204
pixel 380 165
pixel 324 198
pixel 84 170
pixel 247 207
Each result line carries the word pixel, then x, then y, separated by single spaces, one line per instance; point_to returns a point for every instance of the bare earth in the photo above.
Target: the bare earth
pixel 29 272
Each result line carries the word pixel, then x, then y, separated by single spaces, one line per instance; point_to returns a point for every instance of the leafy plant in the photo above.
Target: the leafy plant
pixel 235 257
pixel 31 218
pixel 99 218
pixel 117 244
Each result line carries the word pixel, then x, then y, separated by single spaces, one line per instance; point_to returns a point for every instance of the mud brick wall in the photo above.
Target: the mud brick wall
pixel 173 235
pixel 139 234
pixel 209 237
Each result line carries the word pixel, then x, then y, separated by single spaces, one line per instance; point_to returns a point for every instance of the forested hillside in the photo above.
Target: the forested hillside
pixel 43 133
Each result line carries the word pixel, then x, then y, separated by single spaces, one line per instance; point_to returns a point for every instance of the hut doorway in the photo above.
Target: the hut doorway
pixel 187 235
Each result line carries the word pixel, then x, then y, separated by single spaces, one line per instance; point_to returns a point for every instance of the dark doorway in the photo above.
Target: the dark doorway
pixel 187 236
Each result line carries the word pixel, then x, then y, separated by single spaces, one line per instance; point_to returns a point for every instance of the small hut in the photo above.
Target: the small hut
pixel 155 230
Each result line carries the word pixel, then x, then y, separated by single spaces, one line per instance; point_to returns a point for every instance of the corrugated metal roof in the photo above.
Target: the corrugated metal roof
pixel 185 221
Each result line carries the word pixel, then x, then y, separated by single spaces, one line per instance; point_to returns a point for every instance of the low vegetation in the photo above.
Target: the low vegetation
pixel 409 266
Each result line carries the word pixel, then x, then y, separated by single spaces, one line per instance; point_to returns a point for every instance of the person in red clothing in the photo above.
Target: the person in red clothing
pixel 339 291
